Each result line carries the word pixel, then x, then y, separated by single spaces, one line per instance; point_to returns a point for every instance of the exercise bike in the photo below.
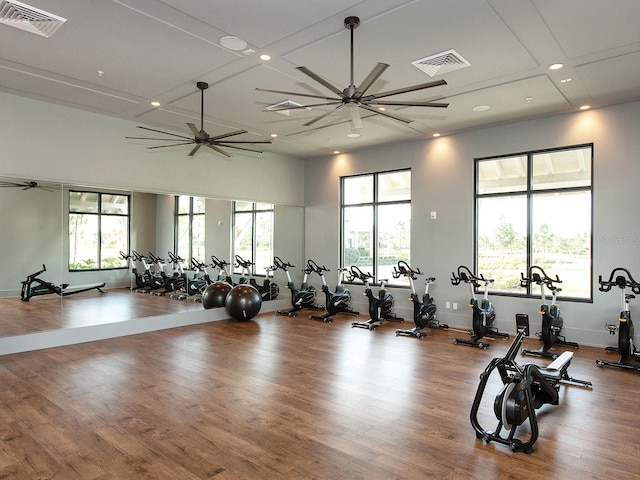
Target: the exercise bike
pixel 525 388
pixel 146 281
pixel 337 301
pixel 551 316
pixel 484 313
pixel 424 309
pixel 268 290
pixel 380 306
pixel 192 286
pixel 629 356
pixel 172 283
pixel 221 265
pixel 301 298
pixel 43 287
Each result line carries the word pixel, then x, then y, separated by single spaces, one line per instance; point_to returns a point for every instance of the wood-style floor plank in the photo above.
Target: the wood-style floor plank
pixel 289 398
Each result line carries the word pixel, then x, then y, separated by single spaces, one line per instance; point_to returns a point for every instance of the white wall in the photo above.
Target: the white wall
pixel 49 142
pixel 442 176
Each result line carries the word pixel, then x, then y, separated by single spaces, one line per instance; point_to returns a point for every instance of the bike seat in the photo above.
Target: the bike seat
pixel 556 368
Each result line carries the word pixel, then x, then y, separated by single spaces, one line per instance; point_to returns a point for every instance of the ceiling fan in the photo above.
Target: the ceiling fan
pixel 355 97
pixel 26 185
pixel 200 137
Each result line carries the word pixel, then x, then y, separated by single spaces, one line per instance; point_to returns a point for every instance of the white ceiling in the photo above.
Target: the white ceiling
pixel 158 50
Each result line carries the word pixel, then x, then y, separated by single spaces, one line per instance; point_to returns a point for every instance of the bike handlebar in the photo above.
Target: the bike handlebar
pixel 621 281
pixel 216 262
pixel 465 275
pixel 538 276
pixel 279 263
pixel 404 269
pixel 314 267
pixel 355 272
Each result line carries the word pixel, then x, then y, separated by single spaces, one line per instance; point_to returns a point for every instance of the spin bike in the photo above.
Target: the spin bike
pixel 484 314
pixel 43 287
pixel 221 265
pixel 301 298
pixel 380 306
pixel 425 309
pixel 268 290
pixel 551 316
pixel 337 301
pixel 525 389
pixel 629 356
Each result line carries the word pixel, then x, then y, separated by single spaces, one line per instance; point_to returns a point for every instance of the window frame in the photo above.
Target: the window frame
pixel 530 192
pixel 254 211
pixel 375 203
pixel 99 214
pixel 190 214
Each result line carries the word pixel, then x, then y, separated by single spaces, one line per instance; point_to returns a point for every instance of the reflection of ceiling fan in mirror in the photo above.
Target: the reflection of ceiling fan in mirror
pixel 354 97
pixel 26 185
pixel 200 137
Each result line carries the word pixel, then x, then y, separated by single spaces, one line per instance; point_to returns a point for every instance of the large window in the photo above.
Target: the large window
pixel 376 222
pixel 253 234
pixel 190 228
pixel 98 230
pixel 535 209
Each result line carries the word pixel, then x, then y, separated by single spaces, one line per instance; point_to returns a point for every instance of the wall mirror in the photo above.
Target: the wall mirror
pixel 50 237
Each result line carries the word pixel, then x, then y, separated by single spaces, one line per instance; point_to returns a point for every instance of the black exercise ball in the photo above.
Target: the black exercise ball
pixel 215 295
pixel 243 302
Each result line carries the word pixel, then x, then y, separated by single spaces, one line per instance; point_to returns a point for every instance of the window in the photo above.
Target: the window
pixel 98 230
pixel 376 222
pixel 535 209
pixel 190 228
pixel 253 234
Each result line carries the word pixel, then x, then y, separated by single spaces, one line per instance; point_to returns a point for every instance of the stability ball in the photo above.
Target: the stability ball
pixel 243 302
pixel 215 295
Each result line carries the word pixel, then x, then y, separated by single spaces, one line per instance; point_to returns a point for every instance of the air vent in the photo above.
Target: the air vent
pixel 285 108
pixel 30 19
pixel 441 63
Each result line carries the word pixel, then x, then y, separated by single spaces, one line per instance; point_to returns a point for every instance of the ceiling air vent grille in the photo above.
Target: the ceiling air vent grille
pixel 281 108
pixel 441 63
pixel 31 19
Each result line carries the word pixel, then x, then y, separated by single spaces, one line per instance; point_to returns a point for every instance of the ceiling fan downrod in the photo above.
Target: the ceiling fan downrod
pixel 352 23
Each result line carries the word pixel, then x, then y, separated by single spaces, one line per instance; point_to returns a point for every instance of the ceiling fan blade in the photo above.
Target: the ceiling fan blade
pixel 193 128
pixel 298 107
pixel 219 150
pixel 172 145
pixel 326 114
pixel 164 133
pixel 386 114
pixel 409 104
pixel 294 93
pixel 248 142
pixel 151 138
pixel 225 135
pixel 242 148
pixel 413 88
pixel 195 150
pixel 371 78
pixel 321 81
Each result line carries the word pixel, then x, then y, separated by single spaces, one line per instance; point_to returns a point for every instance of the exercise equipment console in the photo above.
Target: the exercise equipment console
pixel 42 287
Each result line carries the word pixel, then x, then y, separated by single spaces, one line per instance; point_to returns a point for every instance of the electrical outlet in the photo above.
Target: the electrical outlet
pixel 455 306
pixel 447 304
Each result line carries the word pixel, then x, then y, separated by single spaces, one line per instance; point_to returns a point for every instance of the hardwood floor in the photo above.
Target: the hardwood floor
pixel 290 398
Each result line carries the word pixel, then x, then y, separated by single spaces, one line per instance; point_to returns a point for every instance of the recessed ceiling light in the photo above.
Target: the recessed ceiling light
pixel 233 43
pixel 480 108
pixel 155 104
pixel 336 152
pixel 274 135
pixel 382 109
pixel 436 135
pixel 100 73
pixel 566 80
pixel 265 57
pixel 556 66
pixel 585 107
pixel 529 99
pixel 353 135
